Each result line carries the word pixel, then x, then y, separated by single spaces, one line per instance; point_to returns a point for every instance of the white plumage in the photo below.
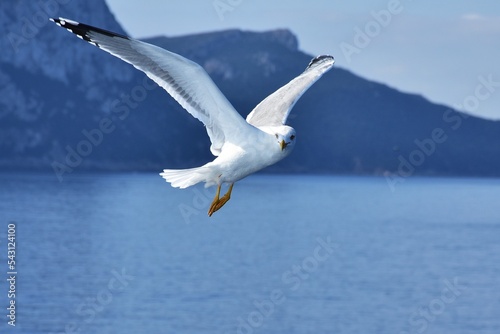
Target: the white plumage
pixel 241 147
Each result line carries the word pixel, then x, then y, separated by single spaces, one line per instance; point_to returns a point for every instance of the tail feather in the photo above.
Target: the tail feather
pixel 183 178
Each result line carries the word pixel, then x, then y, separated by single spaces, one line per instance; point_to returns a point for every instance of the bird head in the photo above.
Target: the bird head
pixel 285 136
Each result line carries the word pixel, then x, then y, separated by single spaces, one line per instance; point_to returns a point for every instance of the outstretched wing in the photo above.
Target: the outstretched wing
pixel 186 81
pixel 274 109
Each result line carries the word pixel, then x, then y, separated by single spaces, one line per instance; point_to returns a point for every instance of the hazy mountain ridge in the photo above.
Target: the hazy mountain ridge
pixel 57 93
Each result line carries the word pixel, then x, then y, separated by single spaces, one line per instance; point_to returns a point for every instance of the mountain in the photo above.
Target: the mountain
pixel 66 106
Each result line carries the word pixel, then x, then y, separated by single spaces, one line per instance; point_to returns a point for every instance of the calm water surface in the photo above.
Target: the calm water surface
pixel 126 253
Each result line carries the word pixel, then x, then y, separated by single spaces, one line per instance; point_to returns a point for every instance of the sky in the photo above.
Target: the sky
pixel 447 51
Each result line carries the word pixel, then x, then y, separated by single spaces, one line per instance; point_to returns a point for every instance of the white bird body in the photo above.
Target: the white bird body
pixel 241 147
pixel 235 162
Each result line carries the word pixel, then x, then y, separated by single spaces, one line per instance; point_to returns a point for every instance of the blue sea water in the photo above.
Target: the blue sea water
pixel 126 253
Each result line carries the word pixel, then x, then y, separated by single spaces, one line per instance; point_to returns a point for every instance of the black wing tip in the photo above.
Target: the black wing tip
pixel 321 59
pixel 75 27
pixel 62 22
pixel 83 30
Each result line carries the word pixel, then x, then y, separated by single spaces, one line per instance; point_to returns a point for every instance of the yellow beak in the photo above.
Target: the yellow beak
pixel 282 145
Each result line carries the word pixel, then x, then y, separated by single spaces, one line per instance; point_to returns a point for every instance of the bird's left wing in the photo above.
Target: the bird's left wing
pixel 274 109
pixel 186 81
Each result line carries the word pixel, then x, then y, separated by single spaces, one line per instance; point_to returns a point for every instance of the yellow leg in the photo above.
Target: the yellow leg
pixel 219 202
pixel 214 202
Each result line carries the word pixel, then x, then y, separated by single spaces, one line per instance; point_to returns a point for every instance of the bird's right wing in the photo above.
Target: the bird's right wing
pixel 274 109
pixel 186 81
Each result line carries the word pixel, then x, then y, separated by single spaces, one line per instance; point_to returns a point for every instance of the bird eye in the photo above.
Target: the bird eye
pixel 292 137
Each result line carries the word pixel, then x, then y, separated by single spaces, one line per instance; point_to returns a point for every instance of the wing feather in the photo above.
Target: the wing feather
pixel 187 82
pixel 274 110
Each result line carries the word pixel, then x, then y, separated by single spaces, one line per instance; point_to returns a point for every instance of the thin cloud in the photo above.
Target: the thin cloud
pixel 473 17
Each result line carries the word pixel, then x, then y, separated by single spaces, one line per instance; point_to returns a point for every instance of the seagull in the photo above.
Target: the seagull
pixel 241 147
